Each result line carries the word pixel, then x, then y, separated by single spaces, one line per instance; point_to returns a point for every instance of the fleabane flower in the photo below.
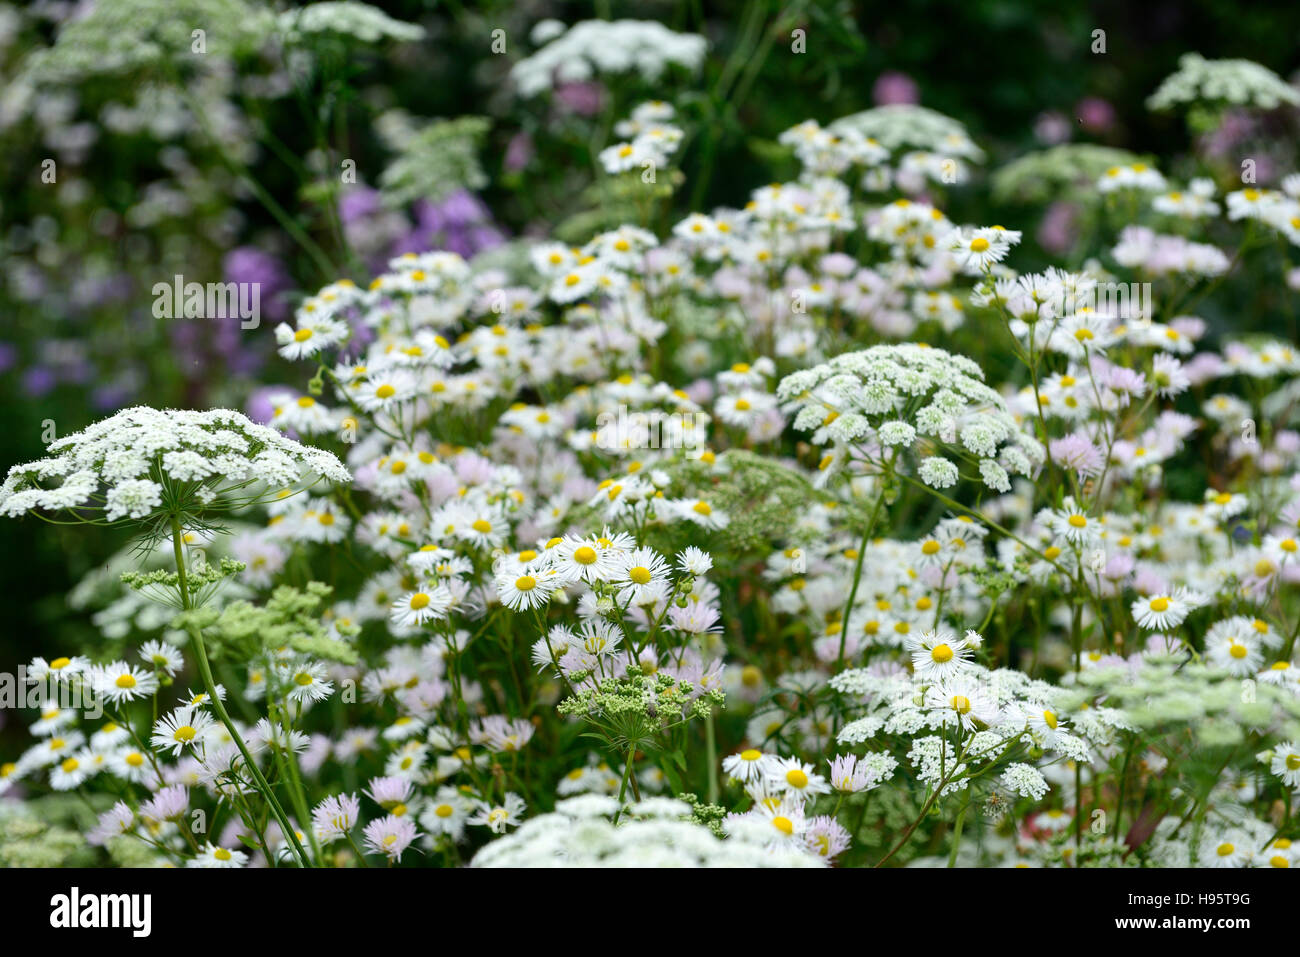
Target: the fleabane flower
pixel 415 608
pixel 1165 611
pixel 938 654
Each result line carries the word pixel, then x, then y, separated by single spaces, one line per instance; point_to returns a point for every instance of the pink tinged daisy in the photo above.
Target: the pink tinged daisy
pixel 498 733
pixel 390 836
pixel 1077 452
pixel 169 804
pixel 116 821
pixel 826 837
pixel 335 816
pixel 183 728
pixel 392 793
pixel 418 607
pixel 847 775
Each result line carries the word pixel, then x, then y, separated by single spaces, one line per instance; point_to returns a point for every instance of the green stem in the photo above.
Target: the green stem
pixel 205 672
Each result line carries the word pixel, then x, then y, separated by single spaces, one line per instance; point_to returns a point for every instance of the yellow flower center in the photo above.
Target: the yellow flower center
pixel 941 654
pixel 586 555
pixel 526 583
pixel 418 601
pixel 796 779
pixel 639 574
pixel 184 734
pixel 1159 604
pixel 784 825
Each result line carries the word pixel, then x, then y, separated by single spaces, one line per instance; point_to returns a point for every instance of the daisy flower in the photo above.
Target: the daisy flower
pixel 183 728
pixel 446 814
pixel 525 592
pixel 961 700
pixel 162 656
pixel 119 682
pixel 215 856
pixel 390 836
pixel 335 816
pixel 308 683
pixel 418 607
pixel 1166 611
pixel 1286 763
pixel 748 766
pixel 792 776
pixel 498 817
pixel 1225 850
pixel 937 654
pixel 641 576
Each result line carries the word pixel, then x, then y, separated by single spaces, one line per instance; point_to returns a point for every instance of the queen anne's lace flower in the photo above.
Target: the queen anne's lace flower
pixel 140 457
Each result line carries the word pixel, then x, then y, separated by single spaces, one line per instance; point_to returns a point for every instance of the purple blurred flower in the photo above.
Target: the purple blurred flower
pixel 358 203
pixel 519 152
pixel 585 99
pixel 1096 114
pixel 1056 233
pixel 38 381
pixel 260 408
pixel 248 264
pixel 894 87
pixel 1051 128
